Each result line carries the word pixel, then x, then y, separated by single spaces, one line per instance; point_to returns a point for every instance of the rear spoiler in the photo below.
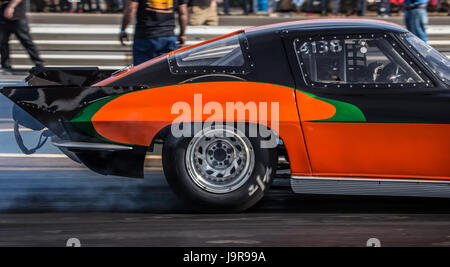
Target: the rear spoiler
pixel 54 106
pixel 85 76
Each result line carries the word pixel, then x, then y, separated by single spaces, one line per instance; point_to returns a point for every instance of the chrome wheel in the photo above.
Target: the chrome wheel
pixel 220 160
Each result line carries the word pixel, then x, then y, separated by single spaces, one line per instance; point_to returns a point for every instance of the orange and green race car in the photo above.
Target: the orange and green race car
pixel 347 106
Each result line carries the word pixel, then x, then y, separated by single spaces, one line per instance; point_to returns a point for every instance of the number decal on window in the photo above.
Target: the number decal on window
pixel 342 61
pixel 321 47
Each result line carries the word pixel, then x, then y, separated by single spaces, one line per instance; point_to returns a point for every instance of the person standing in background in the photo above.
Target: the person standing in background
pixel 246 6
pixel 78 6
pixel 111 6
pixel 83 4
pixel 53 5
pixel 118 6
pixel 98 8
pixel 335 7
pixel 72 6
pixel 13 20
pixel 384 8
pixel 324 7
pixel 416 17
pixel 361 6
pixel 203 12
pixel 155 27
pixel 310 7
pixel 298 5
pixel 271 8
pixel 433 6
pixel 226 7
pixel 249 7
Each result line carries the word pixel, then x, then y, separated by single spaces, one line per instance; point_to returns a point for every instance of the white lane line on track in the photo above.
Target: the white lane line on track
pixel 12 130
pixel 109 28
pixel 86 42
pixel 98 29
pixel 153 157
pixel 39 168
pixel 57 168
pixel 19 155
pixel 75 42
pixel 83 56
pixel 20 66
pixel 438 42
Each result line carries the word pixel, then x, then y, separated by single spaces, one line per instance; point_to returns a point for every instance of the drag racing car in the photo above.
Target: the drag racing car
pixel 358 107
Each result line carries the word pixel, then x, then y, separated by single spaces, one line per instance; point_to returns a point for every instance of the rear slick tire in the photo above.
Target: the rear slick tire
pixel 218 170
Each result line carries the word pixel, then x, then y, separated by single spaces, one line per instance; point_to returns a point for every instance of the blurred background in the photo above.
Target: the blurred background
pixel 85 32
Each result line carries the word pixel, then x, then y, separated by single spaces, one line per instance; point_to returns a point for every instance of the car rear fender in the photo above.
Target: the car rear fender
pixel 54 107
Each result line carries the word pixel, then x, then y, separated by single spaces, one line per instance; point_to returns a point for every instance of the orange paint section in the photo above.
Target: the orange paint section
pixel 387 150
pixel 313 108
pixel 135 118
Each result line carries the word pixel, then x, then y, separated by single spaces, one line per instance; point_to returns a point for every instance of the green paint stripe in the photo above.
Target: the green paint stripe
pixel 83 120
pixel 345 112
pixel 88 112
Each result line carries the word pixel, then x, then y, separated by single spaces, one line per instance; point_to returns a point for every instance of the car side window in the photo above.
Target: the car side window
pixel 344 61
pixel 226 52
pixel 225 55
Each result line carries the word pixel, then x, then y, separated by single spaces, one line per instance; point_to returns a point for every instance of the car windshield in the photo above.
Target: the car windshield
pixel 439 63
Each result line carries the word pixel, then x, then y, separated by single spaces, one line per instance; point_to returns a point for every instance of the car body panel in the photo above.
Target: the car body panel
pixel 388 150
pixel 402 143
pixel 349 132
pixel 136 117
pixel 373 131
